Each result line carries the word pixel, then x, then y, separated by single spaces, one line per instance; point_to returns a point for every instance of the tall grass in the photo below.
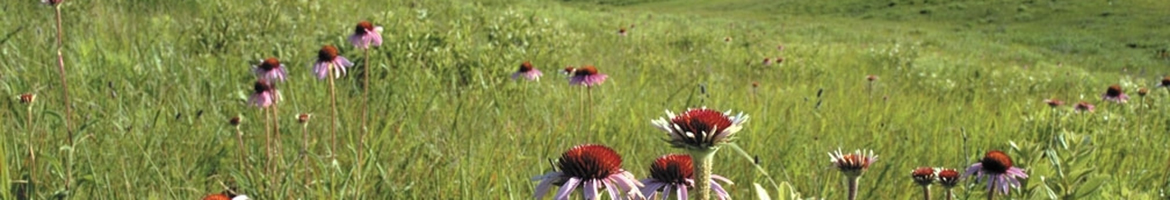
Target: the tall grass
pixel 154 83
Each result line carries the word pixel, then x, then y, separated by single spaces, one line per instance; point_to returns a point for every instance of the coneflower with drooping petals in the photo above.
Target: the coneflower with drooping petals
pixel 997 170
pixel 700 128
pixel 527 71
pixel 587 76
pixel 767 61
pixel 1165 82
pixel 366 35
pixel 263 95
pixel 622 31
pixel 329 60
pixel 1084 107
pixel 270 70
pixel 675 173
pixel 853 166
pixel 1115 94
pixel 1053 102
pixel 590 167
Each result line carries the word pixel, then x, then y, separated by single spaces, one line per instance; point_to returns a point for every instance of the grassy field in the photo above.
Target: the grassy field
pixel 152 85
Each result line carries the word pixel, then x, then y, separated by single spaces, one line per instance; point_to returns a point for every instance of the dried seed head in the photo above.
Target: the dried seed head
pixel 234 121
pixel 1143 91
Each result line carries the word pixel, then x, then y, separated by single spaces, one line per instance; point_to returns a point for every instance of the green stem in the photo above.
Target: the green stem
pixel 926 192
pixel 65 98
pixel 853 187
pixel 333 116
pixel 949 194
pixel 702 171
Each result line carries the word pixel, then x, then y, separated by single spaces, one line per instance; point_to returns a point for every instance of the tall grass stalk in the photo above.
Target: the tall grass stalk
pixel 64 98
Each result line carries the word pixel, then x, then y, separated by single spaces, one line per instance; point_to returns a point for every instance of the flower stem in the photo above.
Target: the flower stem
pixel 333 116
pixel 365 114
pixel 853 187
pixel 702 169
pixel 32 155
pixel 65 98
pixel 305 151
pixel 926 192
pixel 949 194
pixel 268 148
pixel 243 155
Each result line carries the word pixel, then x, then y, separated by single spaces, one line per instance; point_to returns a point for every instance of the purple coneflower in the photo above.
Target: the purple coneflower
pixel 590 167
pixel 1165 82
pixel 263 95
pixel 328 60
pixel 527 71
pixel 767 61
pixel 780 47
pixel 587 76
pixel 700 128
pixel 1054 102
pixel 622 31
pixel 923 176
pixel 853 166
pixel 674 173
pixel 1115 94
pixel 270 70
pixel 701 132
pixel 366 35
pixel 727 39
pixel 1084 107
pixel 996 168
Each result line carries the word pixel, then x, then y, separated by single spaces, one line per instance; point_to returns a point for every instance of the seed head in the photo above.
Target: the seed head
pixel 27 98
pixel 923 176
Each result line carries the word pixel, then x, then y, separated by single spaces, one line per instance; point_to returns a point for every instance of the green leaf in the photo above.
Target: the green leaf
pixel 761 194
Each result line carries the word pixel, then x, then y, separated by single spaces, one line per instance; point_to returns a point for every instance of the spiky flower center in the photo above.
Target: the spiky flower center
pixel 590 161
pixel 526 66
pixel 948 177
pixel 568 70
pixel 269 64
pixel 303 117
pixel 234 121
pixel 996 162
pixel 673 168
pixel 852 162
pixel 923 175
pixel 261 87
pixel 363 27
pixel 327 53
pixel 1143 91
pixel 27 98
pixel 701 121
pixel 871 77
pixel 585 71
pixel 1114 91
